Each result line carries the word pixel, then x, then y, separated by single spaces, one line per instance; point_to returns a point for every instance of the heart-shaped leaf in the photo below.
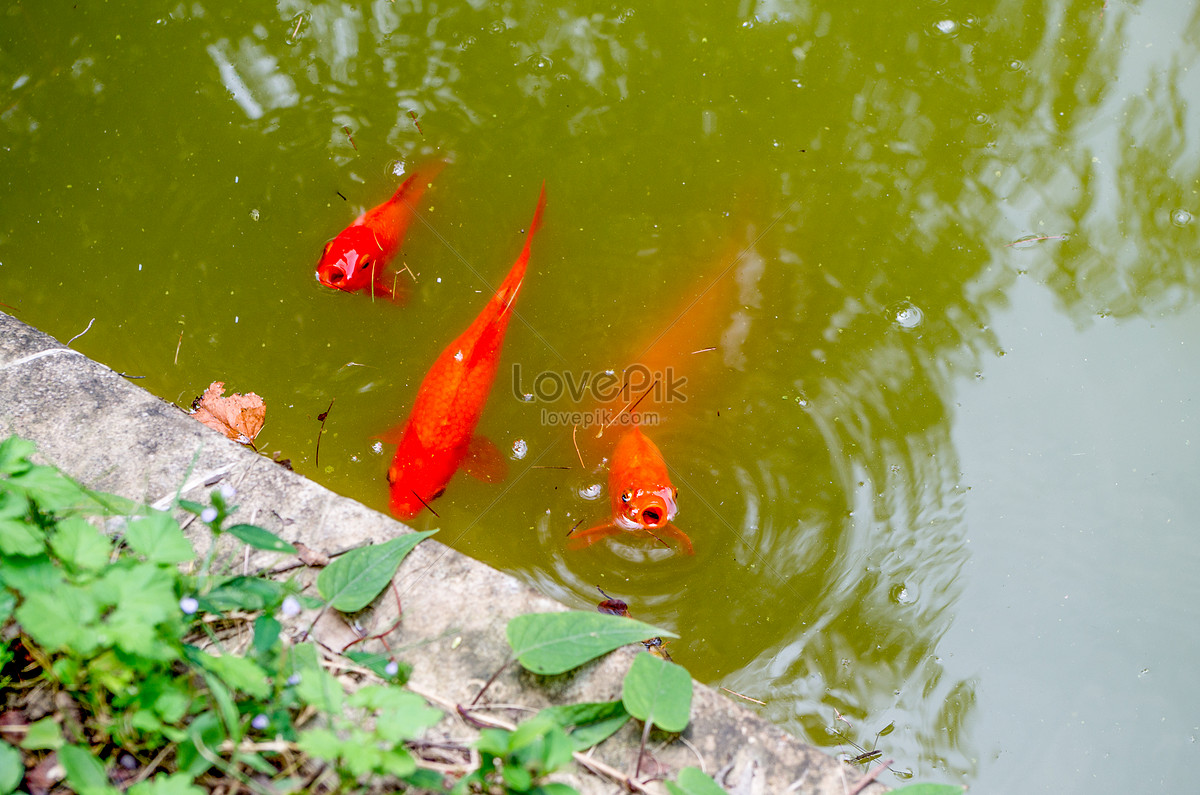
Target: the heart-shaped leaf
pixel 353 580
pixel 552 643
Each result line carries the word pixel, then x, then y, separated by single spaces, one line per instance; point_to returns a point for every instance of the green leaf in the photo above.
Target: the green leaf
pixel 930 789
pixel 378 662
pixel 205 733
pixel 157 536
pixel 239 673
pixel 516 778
pixel 7 603
pixel 260 538
pixel 266 636
pixel 84 772
pixel 14 455
pixel 553 643
pixel 49 488
pixel 693 781
pixel 353 580
pixel 174 784
pixel 80 546
pixel 314 685
pixel 43 735
pixel 588 724
pixel 554 788
pixel 11 768
pixel 251 594
pixel 320 744
pixel 658 692
pixel 61 619
pixel 17 537
pixel 399 714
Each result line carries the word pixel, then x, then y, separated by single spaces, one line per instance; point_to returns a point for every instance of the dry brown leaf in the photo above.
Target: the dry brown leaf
pixel 240 417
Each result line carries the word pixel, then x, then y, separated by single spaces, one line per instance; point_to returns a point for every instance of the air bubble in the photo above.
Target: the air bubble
pixel 907 315
pixel 1015 65
pixel 539 63
pixel 903 594
pixel 947 28
pixel 1181 218
pixel 591 491
pixel 498 26
pixel 519 449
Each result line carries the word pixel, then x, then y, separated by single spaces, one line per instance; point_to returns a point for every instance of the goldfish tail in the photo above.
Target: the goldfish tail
pixel 590 536
pixel 512 282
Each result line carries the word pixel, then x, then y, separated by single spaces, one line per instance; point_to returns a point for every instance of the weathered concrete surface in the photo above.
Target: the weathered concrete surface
pixel 116 437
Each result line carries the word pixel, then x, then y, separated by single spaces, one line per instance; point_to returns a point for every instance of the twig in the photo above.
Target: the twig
pixel 739 695
pixel 574 430
pixel 80 334
pixel 866 780
pixel 178 345
pixel 489 682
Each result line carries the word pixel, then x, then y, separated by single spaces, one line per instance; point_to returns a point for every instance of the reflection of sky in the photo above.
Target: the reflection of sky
pixel 252 76
pixel 1079 451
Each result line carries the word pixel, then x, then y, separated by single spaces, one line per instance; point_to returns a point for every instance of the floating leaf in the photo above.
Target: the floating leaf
pixel 260 538
pixel 552 643
pixel 353 580
pixel 239 417
pixel 694 781
pixel 658 692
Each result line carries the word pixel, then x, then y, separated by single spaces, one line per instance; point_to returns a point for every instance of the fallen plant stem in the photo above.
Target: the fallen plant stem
pixel 866 780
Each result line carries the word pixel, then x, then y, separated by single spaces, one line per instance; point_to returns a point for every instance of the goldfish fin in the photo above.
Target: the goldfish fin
pixel 685 543
pixel 586 538
pixel 391 435
pixel 485 461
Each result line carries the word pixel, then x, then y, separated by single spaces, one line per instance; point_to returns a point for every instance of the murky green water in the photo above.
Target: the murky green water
pixel 942 473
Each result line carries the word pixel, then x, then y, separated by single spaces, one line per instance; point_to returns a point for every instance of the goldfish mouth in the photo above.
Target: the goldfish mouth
pixel 651 517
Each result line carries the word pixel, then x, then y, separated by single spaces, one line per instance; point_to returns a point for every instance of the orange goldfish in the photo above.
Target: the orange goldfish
pixel 356 258
pixel 643 499
pixel 439 434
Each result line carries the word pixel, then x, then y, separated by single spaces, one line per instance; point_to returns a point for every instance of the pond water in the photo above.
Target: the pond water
pixel 938 442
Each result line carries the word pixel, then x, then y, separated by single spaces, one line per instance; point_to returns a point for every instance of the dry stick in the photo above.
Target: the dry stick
pixel 488 683
pixel 637 769
pixel 594 765
pixel 574 430
pixel 427 505
pixel 739 695
pixel 80 334
pixel 628 408
pixel 386 632
pixel 178 345
pixel 867 779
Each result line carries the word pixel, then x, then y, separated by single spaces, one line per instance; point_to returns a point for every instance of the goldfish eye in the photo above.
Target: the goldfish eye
pixel 626 496
pixel 364 264
pixel 675 495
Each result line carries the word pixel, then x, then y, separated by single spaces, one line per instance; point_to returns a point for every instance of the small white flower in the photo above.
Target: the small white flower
pixel 293 680
pixel 208 515
pixel 189 605
pixel 260 721
pixel 227 492
pixel 290 607
pixel 392 668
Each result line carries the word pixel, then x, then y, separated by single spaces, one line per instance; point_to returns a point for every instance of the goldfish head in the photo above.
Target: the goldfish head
pixel 349 259
pixel 417 477
pixel 645 508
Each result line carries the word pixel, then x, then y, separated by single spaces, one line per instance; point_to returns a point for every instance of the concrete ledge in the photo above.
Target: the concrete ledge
pixel 116 437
